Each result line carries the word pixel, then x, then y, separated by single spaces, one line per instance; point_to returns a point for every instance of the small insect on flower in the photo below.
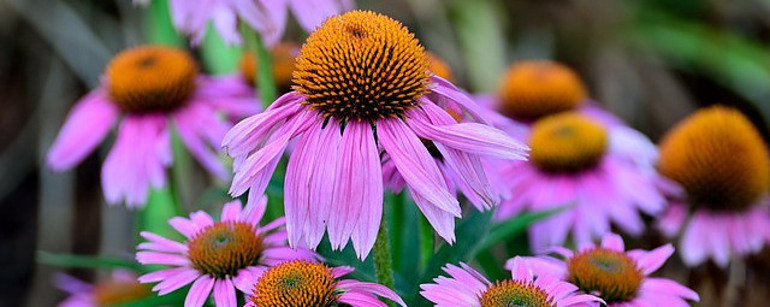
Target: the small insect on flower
pixel 618 277
pixel 268 17
pixel 154 88
pixel 217 256
pixel 466 287
pixel 719 166
pixel 308 284
pixel 579 163
pixel 119 288
pixel 362 87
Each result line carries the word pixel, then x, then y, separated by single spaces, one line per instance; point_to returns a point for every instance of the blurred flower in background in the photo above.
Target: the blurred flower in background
pixel 121 287
pixel 720 168
pixel 154 88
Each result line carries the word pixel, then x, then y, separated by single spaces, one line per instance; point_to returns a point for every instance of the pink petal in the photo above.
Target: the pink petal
pixel 613 241
pixel 651 261
pixel 86 126
pixel 161 244
pixel 231 211
pixel 193 123
pixel 199 292
pixel 224 293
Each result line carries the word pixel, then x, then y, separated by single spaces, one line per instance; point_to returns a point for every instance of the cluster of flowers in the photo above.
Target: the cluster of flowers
pixel 371 110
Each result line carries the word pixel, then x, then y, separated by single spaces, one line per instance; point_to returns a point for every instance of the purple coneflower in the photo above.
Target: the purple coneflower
pixel 217 257
pixel 466 287
pixel 268 17
pixel 577 163
pixel 154 88
pixel 363 87
pixel 618 277
pixel 310 284
pixel 120 288
pixel 720 168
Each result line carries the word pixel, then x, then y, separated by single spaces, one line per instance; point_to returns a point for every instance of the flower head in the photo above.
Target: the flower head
pixel 532 89
pixel 362 87
pixel 466 287
pixel 120 288
pixel 308 284
pixel 599 172
pixel 220 256
pixel 720 168
pixel 154 88
pixel 268 17
pixel 618 277
pixel 439 67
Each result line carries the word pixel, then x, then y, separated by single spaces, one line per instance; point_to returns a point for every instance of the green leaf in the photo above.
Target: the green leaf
pixel 472 227
pixel 88 262
pixel 515 226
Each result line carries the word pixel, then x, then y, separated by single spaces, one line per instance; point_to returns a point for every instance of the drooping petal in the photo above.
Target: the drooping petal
pixel 87 125
pixel 224 293
pixel 199 291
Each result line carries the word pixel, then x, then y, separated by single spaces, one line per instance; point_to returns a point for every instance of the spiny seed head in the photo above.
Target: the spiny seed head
pixel 361 66
pixel 283 55
pixel 151 79
pixel 297 283
pixel 439 67
pixel 113 292
pixel 611 274
pixel 532 89
pixel 719 158
pixel 224 248
pixel 567 143
pixel 513 293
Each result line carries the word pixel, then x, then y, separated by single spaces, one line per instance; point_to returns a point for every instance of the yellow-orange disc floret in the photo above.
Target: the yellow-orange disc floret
pixel 361 66
pixel 114 292
pixel 151 79
pixel 283 55
pixel 295 284
pixel 720 159
pixel 514 293
pixel 566 143
pixel 611 274
pixel 532 89
pixel 439 67
pixel 224 248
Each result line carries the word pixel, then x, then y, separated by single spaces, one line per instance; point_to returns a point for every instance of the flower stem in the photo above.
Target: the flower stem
pixel 426 241
pixel 383 262
pixel 158 25
pixel 264 73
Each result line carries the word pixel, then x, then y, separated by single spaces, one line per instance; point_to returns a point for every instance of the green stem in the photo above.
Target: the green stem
pixel 158 25
pixel 160 208
pixel 264 65
pixel 383 262
pixel 426 241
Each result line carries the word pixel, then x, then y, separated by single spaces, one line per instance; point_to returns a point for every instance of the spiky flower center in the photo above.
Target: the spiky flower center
pixel 513 293
pixel 566 143
pixel 362 66
pixel 532 89
pixel 283 55
pixel 718 157
pixel 611 274
pixel 151 79
pixel 295 284
pixel 113 292
pixel 224 248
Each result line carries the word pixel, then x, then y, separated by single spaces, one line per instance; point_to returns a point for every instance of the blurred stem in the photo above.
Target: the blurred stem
pixel 264 65
pixel 479 31
pixel 426 241
pixel 397 226
pixel 160 29
pixel 180 171
pixel 160 208
pixel 218 57
pixel 383 262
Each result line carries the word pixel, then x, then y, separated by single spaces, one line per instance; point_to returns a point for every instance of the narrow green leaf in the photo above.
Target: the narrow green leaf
pixel 515 226
pixel 87 262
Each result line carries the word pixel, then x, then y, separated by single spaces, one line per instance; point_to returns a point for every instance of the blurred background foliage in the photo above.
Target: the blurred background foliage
pixel 651 62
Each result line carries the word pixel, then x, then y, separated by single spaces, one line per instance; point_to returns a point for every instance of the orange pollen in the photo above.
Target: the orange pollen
pixel 532 89
pixel 283 56
pixel 114 292
pixel 151 79
pixel 439 67
pixel 224 248
pixel 295 284
pixel 719 157
pixel 567 143
pixel 611 274
pixel 361 65
pixel 513 293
